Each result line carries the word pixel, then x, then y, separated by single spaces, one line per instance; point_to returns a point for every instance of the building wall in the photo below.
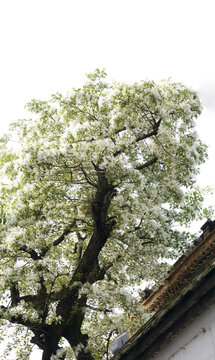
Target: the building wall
pixel 195 342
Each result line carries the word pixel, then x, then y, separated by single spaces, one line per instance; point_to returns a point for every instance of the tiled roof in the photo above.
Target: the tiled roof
pixel 189 289
pixel 185 269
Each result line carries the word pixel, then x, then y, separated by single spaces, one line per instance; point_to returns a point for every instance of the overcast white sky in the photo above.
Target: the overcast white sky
pixel 49 45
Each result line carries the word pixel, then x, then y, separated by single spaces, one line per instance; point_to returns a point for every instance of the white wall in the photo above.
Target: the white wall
pixel 195 342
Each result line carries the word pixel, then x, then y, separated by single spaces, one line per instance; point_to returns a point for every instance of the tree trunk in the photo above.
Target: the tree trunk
pixel 84 355
pixel 47 354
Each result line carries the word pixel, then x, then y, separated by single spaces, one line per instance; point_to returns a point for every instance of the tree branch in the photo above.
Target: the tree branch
pixel 147 163
pixel 98 309
pixel 33 254
pixel 58 241
pixel 14 293
pixel 18 319
pixel 108 341
pixel 141 137
pixel 87 178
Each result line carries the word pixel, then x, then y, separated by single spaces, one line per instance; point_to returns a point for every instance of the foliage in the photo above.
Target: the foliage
pixel 90 202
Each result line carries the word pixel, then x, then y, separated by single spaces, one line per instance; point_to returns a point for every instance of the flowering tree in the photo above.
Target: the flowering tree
pixel 90 202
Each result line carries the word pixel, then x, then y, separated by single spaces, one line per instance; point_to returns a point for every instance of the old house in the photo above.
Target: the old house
pixel 183 326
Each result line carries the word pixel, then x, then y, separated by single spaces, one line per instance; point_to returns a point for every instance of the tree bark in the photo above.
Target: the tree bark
pixel 47 354
pixel 85 355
